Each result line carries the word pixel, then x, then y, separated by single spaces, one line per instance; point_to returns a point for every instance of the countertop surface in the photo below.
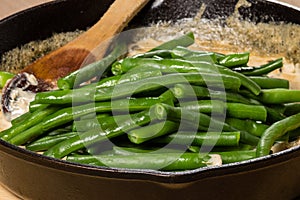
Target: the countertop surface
pixel 9 7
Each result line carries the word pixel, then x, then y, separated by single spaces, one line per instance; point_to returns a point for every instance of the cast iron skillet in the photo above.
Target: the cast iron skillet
pixel 33 176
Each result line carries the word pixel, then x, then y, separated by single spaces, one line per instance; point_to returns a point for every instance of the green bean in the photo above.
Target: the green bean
pixel 142 150
pixel 233 60
pixel 236 110
pixel 245 81
pixel 276 131
pixel 182 66
pixel 163 111
pixel 250 126
pixel 262 70
pixel 184 41
pixel 181 91
pixel 124 78
pixel 109 129
pixel 270 83
pixel 236 156
pixel 243 111
pixel 168 97
pixel 83 125
pixel 128 89
pixel 46 142
pixel 205 57
pixel 279 96
pixel 20 118
pixel 66 115
pixel 164 161
pixel 35 118
pixel 143 134
pixel 273 115
pixel 151 54
pixel 164 65
pixel 291 109
pixel 4 77
pixel 240 147
pixel 90 71
pixel 205 106
pixel 33 106
pixel 184 53
pixel 202 138
pixel 26 115
pixel 202 121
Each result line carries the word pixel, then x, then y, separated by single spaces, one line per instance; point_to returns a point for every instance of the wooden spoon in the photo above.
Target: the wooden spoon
pixel 43 74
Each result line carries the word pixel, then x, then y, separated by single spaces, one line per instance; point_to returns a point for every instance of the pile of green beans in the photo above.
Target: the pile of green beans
pixel 170 109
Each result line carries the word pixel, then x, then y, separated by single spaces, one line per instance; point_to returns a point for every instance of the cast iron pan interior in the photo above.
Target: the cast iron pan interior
pixel 67 15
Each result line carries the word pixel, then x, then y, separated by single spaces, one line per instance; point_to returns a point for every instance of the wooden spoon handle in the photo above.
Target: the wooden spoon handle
pixel 112 22
pixel 71 56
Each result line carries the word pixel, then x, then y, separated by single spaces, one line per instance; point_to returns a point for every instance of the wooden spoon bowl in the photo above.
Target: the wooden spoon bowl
pixel 43 74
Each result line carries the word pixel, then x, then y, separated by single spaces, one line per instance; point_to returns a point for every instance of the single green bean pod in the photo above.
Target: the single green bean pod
pixel 164 162
pixel 152 131
pixel 276 131
pixel 184 40
pixel 234 60
pixel 202 138
pixel 90 71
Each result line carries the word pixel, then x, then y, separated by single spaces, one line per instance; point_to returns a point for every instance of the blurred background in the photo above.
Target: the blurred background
pixel 8 7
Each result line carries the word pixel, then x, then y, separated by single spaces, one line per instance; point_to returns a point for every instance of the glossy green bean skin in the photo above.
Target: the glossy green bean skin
pixel 205 106
pixel 233 60
pixel 82 124
pixel 165 65
pixel 88 72
pixel 163 111
pixel 244 111
pixel 270 83
pixel 250 126
pixel 279 96
pixel 276 131
pixel 182 66
pixel 86 93
pixel 109 129
pixel 163 53
pixel 205 57
pixel 128 89
pixel 235 110
pixel 177 114
pixel 262 70
pixel 33 106
pixel 66 115
pixel 291 109
pixel 21 118
pixel 47 142
pixel 236 156
pixel 140 150
pixel 124 78
pixel 184 41
pixel 202 138
pixel 186 53
pixel 165 161
pixel 35 118
pixel 182 91
pixel 143 134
